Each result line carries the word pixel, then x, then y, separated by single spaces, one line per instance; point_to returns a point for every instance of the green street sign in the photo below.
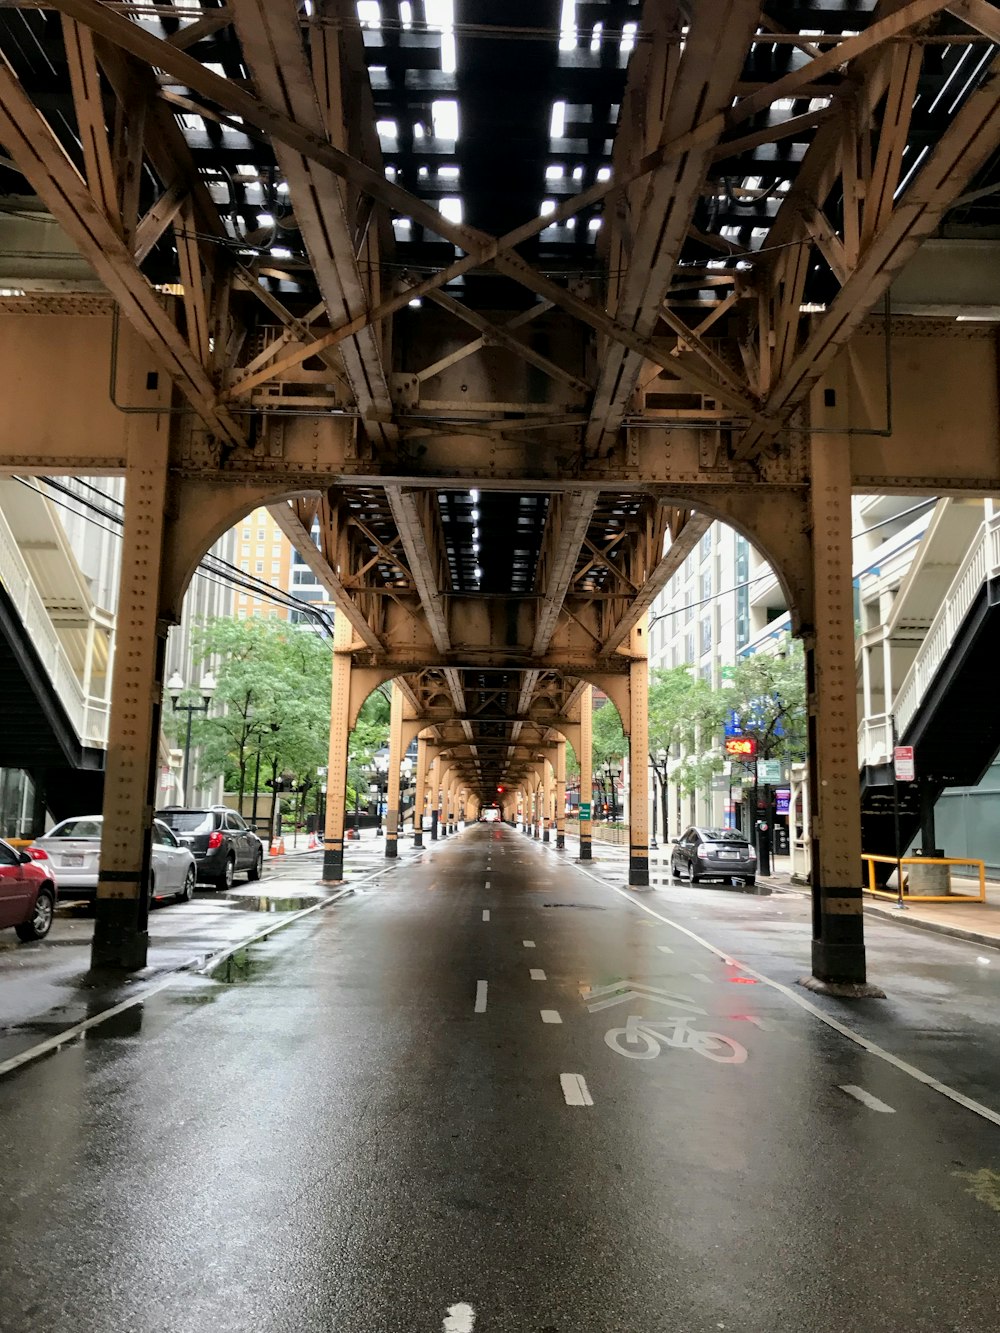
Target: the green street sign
pixel 584 809
pixel 769 771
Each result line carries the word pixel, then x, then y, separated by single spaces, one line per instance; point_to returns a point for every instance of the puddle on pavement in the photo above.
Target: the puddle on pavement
pixel 243 965
pixel 271 903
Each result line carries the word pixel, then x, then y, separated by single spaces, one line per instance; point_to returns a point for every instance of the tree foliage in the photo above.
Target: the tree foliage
pixel 608 737
pixel 767 695
pixel 272 699
pixel 685 720
pixel 369 735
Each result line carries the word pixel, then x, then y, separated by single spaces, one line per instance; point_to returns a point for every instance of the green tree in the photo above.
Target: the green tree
pixel 685 714
pixel 767 693
pixel 609 742
pixel 371 733
pixel 272 699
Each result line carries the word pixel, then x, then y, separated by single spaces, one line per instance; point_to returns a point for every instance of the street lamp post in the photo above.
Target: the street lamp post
pixel 381 765
pixel 405 770
pixel 175 688
pixel 612 771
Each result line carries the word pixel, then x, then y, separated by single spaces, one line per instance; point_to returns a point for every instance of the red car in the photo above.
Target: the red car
pixel 27 893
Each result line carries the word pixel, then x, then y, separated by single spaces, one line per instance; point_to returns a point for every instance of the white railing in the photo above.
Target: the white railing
pixel 88 715
pixel 874 740
pixel 981 562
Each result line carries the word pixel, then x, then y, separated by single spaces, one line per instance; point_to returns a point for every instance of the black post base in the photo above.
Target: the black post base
pixel 638 869
pixel 119 944
pixel 418 838
pixel 333 863
pixel 586 850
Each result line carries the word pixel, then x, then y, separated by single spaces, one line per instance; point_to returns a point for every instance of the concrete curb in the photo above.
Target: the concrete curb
pixel 898 918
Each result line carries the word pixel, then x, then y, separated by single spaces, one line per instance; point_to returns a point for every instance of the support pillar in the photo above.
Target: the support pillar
pixel 442 799
pixel 586 758
pixel 561 795
pixel 336 764
pixel 121 908
pixel 838 950
pixel 537 808
pixel 420 793
pixel 395 759
pixel 638 762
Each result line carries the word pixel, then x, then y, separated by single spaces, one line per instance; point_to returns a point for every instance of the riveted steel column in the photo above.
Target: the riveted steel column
pixel 547 789
pixel 336 766
pixel 586 760
pixel 432 796
pixel 537 811
pixel 121 909
pixel 638 762
pixel 442 798
pixel 395 759
pixel 561 795
pixel 420 793
pixel 838 950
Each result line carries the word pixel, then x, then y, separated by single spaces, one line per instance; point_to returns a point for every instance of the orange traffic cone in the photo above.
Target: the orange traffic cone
pixel 281 846
pixel 313 843
pixel 273 849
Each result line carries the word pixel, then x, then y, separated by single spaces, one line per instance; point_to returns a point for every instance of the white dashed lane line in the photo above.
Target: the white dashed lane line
pixel 664 948
pixel 481 989
pixel 550 1015
pixel 867 1099
pixel 575 1091
pixel 528 944
pixel 536 974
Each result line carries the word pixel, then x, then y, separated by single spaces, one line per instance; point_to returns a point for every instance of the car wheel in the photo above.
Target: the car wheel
pixel 256 868
pixel 692 877
pixel 41 921
pixel 187 893
pixel 226 878
pixel 751 881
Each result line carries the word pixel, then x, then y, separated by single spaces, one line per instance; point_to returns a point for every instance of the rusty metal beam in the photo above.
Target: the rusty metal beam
pixel 424 567
pixel 42 160
pixel 296 532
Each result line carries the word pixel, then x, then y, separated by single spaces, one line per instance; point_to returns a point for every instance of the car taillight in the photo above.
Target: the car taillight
pixel 750 854
pixel 214 840
pixel 38 853
pixel 704 849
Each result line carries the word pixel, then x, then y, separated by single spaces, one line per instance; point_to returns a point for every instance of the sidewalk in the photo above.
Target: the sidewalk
pixel 977 922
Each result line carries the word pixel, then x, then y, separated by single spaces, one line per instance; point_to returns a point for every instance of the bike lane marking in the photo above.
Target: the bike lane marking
pixel 866 1098
pixel 461 1318
pixel 865 1043
pixel 481 989
pixel 700 976
pixel 536 974
pixel 575 1090
pixel 550 1015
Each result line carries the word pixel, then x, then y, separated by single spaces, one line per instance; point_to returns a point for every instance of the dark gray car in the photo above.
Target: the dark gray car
pixel 713 853
pixel 222 844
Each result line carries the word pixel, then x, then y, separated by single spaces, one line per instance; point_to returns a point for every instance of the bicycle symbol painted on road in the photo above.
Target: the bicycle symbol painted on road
pixel 643 1039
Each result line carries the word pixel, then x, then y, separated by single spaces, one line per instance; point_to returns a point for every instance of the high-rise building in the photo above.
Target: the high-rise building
pixel 263 552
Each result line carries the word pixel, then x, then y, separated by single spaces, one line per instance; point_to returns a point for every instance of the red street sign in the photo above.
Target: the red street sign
pixel 902 759
pixel 741 747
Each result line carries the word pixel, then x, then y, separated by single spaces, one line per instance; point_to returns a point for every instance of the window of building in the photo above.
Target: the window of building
pixel 275 566
pixel 276 550
pixel 261 534
pixel 260 550
pixel 688 647
pixel 246 548
pixel 245 566
pixel 706 545
pixel 259 566
pixel 706 635
pixel 706 585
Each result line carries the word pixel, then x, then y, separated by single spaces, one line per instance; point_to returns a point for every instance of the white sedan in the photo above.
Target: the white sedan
pixel 73 850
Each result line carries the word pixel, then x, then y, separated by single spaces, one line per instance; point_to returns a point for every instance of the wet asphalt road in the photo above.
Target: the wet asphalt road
pixel 347 1131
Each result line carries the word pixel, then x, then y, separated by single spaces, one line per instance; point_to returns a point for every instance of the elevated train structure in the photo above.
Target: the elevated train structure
pixel 514 299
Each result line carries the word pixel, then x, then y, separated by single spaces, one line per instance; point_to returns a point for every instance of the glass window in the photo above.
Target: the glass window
pixel 259 566
pixel 275 566
pixel 245 566
pixel 260 534
pixel 234 821
pixel 8 857
pixel 187 821
pixel 77 828
pixel 706 544
pixel 706 585
pixel 706 635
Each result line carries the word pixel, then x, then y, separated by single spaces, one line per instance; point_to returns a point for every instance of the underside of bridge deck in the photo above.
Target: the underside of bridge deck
pixel 505 302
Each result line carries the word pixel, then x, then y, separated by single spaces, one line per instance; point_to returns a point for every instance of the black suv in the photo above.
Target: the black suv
pixel 220 840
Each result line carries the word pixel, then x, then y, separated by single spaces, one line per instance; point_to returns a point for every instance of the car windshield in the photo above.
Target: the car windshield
pixel 188 821
pixel 723 835
pixel 77 828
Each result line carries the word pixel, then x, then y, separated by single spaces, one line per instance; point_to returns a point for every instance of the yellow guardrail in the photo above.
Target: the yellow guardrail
pixel 870 887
